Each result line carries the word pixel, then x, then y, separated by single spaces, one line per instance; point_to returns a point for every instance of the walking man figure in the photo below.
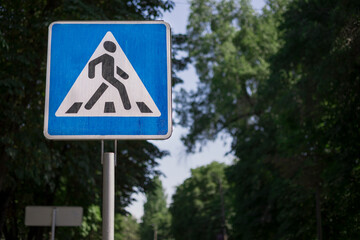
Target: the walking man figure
pixel 107 62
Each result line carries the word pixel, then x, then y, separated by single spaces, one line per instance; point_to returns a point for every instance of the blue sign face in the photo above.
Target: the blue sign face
pixel 108 80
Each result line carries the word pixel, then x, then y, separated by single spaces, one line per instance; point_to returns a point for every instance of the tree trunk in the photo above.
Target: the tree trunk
pixel 223 217
pixel 155 232
pixel 4 202
pixel 4 192
pixel 318 215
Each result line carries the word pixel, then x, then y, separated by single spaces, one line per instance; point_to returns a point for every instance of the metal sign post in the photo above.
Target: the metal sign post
pixel 53 223
pixel 108 160
pixel 108 196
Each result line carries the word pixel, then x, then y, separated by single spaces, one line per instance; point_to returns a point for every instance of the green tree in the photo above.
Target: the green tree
pixel 230 46
pixel 126 228
pixel 34 171
pixel 292 109
pixel 91 224
pixel 200 207
pixel 316 73
pixel 155 224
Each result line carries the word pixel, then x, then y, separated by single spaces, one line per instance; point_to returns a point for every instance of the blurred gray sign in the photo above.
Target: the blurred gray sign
pixel 43 216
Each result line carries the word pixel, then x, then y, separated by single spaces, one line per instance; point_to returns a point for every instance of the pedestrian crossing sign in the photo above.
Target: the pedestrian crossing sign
pixel 108 80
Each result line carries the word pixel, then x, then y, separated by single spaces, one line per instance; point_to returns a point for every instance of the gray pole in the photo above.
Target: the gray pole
pixel 53 223
pixel 108 196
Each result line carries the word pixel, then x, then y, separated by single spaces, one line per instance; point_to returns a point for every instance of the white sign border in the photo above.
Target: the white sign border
pixel 110 137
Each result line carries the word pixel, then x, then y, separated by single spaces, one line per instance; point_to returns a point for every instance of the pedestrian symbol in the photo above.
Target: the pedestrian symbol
pixel 108 85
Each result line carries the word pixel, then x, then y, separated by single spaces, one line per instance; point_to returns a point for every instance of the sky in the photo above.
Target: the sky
pixel 177 167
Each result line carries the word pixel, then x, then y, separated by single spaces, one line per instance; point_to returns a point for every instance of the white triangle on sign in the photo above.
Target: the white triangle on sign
pixel 107 90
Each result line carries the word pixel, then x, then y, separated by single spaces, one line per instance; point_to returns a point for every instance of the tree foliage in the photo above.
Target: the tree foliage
pixel 230 46
pixel 156 219
pixel 126 228
pixel 200 208
pixel 284 84
pixel 316 73
pixel 34 171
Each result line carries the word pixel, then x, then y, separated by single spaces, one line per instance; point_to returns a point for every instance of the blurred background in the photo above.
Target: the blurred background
pixel 266 110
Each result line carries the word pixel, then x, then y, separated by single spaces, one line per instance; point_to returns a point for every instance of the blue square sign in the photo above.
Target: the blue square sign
pixel 108 80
